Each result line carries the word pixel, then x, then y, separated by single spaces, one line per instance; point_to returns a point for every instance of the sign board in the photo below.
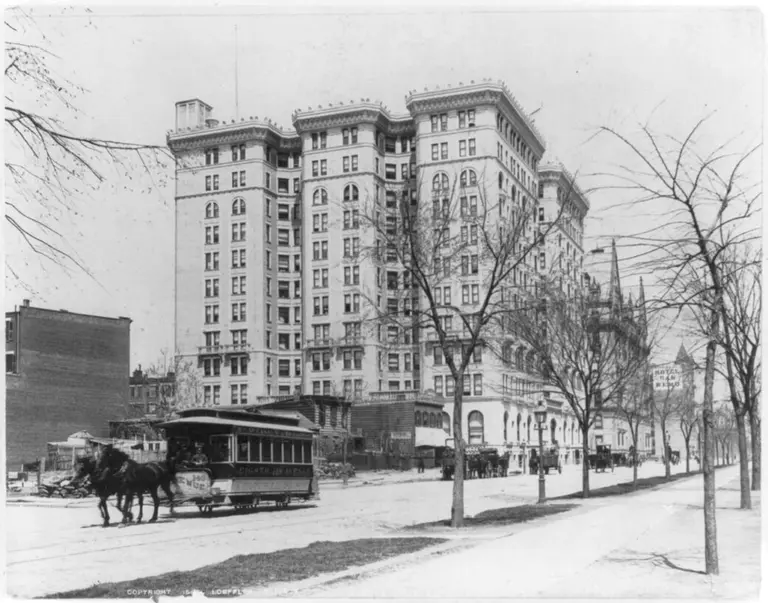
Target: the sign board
pixel 400 435
pixel 193 484
pixel 666 378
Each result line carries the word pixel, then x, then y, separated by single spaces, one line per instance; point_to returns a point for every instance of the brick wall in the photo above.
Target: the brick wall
pixel 378 421
pixel 72 375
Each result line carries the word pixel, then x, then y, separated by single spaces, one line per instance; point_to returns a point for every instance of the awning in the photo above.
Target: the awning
pixel 232 423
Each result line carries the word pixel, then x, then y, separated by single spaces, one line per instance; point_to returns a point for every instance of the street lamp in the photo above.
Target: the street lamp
pixel 540 415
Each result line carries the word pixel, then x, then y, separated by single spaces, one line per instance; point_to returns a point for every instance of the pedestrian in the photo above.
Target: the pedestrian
pixel 421 464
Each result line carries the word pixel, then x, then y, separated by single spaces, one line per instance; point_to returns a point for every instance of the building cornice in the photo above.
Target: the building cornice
pixel 558 174
pixel 487 92
pixel 182 140
pixel 352 115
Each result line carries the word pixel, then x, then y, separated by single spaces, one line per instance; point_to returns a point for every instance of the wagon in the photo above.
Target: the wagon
pixel 551 460
pixel 603 458
pixel 243 458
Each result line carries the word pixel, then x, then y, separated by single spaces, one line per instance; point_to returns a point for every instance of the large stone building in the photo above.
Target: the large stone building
pixel 274 284
pixel 65 372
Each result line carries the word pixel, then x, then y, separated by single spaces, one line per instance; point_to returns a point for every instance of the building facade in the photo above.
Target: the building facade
pixel 150 395
pixel 275 279
pixel 65 372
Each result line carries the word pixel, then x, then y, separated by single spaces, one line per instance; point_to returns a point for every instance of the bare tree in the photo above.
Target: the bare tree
pixel 689 416
pixel 667 402
pixel 48 168
pixel 708 206
pixel 588 356
pixel 634 405
pixel 186 390
pixel 461 234
pixel 741 343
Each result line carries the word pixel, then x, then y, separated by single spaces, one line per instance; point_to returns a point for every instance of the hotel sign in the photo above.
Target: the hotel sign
pixel 667 378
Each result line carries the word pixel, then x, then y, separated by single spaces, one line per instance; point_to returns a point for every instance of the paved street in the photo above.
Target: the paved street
pixel 48 548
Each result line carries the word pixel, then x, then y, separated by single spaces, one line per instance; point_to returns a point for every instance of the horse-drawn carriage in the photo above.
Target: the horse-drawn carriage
pixel 549 460
pixel 479 462
pixel 602 459
pixel 240 458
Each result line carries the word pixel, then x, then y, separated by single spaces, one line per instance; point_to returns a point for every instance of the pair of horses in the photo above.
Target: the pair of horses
pixel 487 465
pixel 115 473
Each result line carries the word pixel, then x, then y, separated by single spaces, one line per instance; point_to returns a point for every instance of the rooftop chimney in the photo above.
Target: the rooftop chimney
pixel 26 303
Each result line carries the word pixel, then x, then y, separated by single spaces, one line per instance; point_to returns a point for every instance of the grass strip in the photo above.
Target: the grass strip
pixel 502 516
pixel 230 577
pixel 643 483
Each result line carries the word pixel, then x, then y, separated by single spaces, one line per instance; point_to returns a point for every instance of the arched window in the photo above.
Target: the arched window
pixel 238 207
pixel 528 434
pixel 351 193
pixel 447 423
pixel 553 430
pixel 320 197
pixel 476 428
pixel 440 182
pixel 519 418
pixel 212 210
pixel 468 178
pixel 506 420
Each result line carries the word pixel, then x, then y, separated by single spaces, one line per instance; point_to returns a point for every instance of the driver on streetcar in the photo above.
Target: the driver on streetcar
pixel 199 459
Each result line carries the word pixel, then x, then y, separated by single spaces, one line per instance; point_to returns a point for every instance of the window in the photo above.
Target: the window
pixel 393 362
pixel 239 365
pixel 443 122
pixel 390 171
pixel 211 209
pixel 267 180
pixel 434 121
pixel 435 152
pixel 238 312
pixel 212 156
pixel 478 381
pixel 472 147
pixel 211 235
pixel 476 428
pixel 443 150
pixel 323 167
pixel 283 236
pixel 320 197
pixel 468 178
pixel 238 152
pixel 238 258
pixel 212 261
pixel 345 164
pixel 404 171
pixel 314 168
pixel 212 367
pixel 462 148
pixel 238 232
pixel 238 285
pixel 345 136
pixel 351 193
pixel 283 289
pixel 598 421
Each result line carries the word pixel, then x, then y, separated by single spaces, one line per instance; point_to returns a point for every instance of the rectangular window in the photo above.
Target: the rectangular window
pixel 443 122
pixel 434 122
pixel 354 163
pixel 472 147
pixel 353 133
pixel 345 164
pixel 478 379
pixel 462 148
pixel 315 167
pixel 435 152
pixel 390 171
pixel 462 119
pixel 439 385
pixel 323 167
pixel 443 150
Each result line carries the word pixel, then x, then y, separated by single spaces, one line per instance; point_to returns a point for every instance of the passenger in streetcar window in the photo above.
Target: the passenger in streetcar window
pixel 199 459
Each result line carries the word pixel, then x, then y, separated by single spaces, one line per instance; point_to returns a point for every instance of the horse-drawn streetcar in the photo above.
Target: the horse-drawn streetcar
pixel 240 458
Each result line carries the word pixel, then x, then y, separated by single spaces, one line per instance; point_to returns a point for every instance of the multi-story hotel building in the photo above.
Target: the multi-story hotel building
pixel 274 287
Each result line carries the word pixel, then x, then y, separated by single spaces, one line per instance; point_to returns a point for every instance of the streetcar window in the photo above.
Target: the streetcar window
pixel 278 452
pixel 242 449
pixel 255 454
pixel 220 449
pixel 307 447
pixel 266 450
pixel 287 452
pixel 296 452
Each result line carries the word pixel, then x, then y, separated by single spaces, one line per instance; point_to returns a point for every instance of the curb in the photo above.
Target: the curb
pixel 281 589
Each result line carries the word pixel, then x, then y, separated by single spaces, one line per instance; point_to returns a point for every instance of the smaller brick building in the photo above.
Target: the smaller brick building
pixel 152 395
pixel 65 372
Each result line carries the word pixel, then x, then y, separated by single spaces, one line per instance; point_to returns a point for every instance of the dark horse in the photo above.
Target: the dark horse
pixel 104 483
pixel 138 478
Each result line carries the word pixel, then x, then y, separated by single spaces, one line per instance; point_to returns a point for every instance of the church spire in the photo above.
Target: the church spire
pixel 614 285
pixel 682 356
pixel 642 316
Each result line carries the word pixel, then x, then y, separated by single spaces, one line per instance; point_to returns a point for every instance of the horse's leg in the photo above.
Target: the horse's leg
pixel 166 486
pixel 156 501
pixel 141 506
pixel 104 510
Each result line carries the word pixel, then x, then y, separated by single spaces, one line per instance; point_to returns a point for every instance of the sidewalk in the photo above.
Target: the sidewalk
pixel 609 547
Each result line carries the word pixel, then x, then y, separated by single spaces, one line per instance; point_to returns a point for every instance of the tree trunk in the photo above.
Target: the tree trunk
pixel 457 506
pixel 711 562
pixel 585 462
pixel 687 456
pixel 741 429
pixel 667 468
pixel 754 429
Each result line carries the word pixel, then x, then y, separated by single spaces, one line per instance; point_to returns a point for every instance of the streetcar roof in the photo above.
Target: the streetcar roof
pixel 207 420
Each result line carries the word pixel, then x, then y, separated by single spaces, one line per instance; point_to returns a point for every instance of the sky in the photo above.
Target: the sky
pixel 580 68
